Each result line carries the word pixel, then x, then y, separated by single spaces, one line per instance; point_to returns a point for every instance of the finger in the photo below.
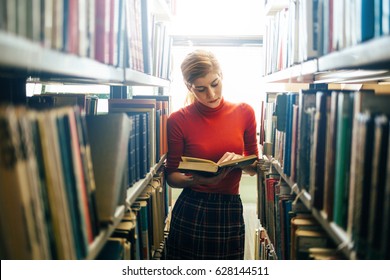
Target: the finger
pixel 227 156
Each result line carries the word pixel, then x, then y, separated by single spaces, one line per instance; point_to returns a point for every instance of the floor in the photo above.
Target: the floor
pixel 249 199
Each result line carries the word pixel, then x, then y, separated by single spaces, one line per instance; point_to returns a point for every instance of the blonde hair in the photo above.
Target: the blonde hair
pixel 195 65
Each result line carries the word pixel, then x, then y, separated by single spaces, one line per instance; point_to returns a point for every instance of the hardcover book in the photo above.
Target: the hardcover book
pixel 189 164
pixel 109 137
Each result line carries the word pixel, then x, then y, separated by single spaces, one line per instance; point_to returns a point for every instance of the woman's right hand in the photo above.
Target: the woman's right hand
pixel 202 180
pixel 180 180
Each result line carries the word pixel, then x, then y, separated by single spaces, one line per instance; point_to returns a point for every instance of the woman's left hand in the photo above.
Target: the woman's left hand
pixel 229 156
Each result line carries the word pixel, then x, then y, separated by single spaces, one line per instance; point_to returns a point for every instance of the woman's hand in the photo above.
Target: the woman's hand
pixel 229 156
pixel 180 180
pixel 250 169
pixel 202 180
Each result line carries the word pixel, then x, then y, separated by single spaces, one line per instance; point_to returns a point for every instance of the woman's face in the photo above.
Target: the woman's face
pixel 208 90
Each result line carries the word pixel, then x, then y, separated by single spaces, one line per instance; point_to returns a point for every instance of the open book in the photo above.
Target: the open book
pixel 188 164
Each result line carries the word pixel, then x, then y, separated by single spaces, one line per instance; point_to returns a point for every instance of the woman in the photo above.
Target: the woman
pixel 207 220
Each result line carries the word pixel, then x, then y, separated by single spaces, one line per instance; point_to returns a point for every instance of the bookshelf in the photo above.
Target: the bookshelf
pixel 359 57
pixel 139 186
pixel 335 232
pixel 24 58
pixel 101 239
pixel 357 64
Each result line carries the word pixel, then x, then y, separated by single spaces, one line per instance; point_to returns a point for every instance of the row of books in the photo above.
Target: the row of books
pixel 140 235
pixel 263 247
pixel 48 192
pixel 148 116
pixel 124 34
pixel 88 103
pixel 307 29
pixel 334 145
pixel 287 226
pixel 64 175
pixel 148 139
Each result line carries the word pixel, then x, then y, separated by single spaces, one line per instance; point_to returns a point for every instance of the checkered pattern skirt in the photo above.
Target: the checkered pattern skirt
pixel 206 226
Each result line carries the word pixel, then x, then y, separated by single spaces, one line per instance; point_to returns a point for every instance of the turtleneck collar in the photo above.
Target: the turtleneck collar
pixel 203 109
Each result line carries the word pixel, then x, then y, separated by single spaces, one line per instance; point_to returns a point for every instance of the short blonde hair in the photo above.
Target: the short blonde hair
pixel 198 64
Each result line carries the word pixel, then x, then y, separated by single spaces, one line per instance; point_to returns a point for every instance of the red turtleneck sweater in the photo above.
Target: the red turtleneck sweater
pixel 200 131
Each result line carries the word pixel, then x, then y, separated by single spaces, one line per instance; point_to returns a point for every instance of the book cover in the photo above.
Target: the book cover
pixel 318 253
pixel 109 136
pixel 269 223
pixel 323 99
pixel 84 150
pixel 343 156
pixel 300 222
pixel 21 223
pixel 136 208
pixel 385 17
pixel 305 239
pixel 134 151
pixel 386 217
pixel 146 36
pixel 358 218
pixel 54 173
pixel 306 100
pixel 331 132
pixel 166 110
pixel 377 192
pixel 73 178
pixel 155 227
pixel 281 229
pixel 280 111
pixel 113 249
pixel 367 27
pixel 188 164
pixel 139 146
pixel 294 140
pixel 142 221
pixel 130 106
pixel 127 229
pixel 101 31
pixel 291 100
pixel 367 105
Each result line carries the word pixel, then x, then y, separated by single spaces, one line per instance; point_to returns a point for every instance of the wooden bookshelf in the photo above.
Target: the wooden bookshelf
pixel 105 233
pixel 29 58
pixel 354 64
pixel 136 78
pixel 338 235
pixel 23 59
pixel 132 194
pixel 335 64
pixel 135 190
pixel 359 57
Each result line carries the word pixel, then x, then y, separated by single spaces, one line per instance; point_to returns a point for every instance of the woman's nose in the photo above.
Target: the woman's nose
pixel 210 92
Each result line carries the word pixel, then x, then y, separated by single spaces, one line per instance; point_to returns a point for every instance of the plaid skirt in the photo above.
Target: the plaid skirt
pixel 206 226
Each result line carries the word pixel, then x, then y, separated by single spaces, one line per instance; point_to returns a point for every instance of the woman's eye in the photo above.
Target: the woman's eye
pixel 215 85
